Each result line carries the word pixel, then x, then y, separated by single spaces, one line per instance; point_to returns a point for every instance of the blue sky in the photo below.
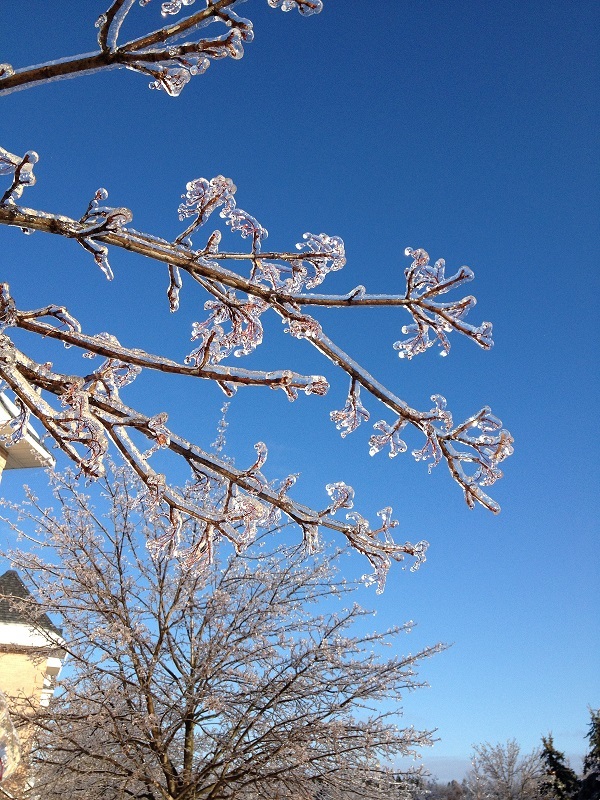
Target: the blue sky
pixel 466 130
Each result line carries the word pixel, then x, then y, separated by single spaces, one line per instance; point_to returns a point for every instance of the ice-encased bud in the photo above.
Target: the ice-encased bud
pixel 418 343
pixel 341 494
pixel 305 7
pixel 303 327
pixel 172 81
pixel 203 196
pixel 352 414
pixel 390 435
pixel 117 218
pixel 431 450
pixel 318 385
pixel 326 254
pixel 418 551
pixel 174 6
pixel 440 412
pixel 483 335
pixel 386 519
pixel 157 424
pixel 247 225
pixel 212 245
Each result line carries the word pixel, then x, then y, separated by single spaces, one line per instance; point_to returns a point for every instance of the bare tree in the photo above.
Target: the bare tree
pixel 231 680
pixel 500 772
pixel 84 413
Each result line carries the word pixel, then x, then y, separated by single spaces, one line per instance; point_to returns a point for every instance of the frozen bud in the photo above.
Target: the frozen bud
pixel 262 453
pixel 118 217
pixel 318 385
pixel 390 435
pixel 386 518
pixel 174 6
pixel 440 412
pixel 419 256
pixel 172 81
pixel 326 254
pixel 212 245
pixel 341 494
pixel 418 550
pixel 305 7
pixel 303 328
pixel 483 335
pixel 352 414
pixel 417 343
pixel 487 421
pixel 101 258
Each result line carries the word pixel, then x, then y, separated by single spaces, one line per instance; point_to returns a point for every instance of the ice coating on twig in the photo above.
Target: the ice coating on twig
pixel 342 496
pixel 424 283
pixel 352 414
pixel 100 219
pixel 22 171
pixel 305 7
pixel 389 435
pixel 325 254
pixel 159 54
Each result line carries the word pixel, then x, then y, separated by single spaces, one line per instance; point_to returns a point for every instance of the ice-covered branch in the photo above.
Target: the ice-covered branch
pixel 442 317
pixel 108 346
pixel 93 415
pixel 278 281
pixel 158 54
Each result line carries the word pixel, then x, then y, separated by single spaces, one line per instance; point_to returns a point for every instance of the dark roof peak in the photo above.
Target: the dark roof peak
pixel 11 586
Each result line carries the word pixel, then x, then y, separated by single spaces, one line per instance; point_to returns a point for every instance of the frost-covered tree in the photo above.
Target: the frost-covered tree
pixel 434 790
pixel 559 781
pixel 590 781
pixel 84 412
pixel 252 677
pixel 500 772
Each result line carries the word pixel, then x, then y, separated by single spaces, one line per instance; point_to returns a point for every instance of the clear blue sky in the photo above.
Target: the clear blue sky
pixel 468 129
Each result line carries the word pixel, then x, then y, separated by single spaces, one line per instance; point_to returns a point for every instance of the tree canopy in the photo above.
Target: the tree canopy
pixel 254 676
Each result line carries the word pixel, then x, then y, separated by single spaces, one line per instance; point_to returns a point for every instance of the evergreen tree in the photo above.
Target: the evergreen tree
pixel 559 781
pixel 590 783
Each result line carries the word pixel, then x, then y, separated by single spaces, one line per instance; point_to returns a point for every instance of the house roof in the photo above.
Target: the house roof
pixel 11 586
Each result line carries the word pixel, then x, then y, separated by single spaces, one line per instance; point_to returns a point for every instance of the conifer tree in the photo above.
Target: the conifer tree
pixel 559 782
pixel 590 783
